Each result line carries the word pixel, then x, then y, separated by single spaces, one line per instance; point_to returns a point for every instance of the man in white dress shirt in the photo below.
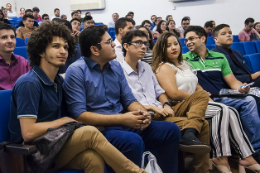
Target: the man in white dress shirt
pixel 111 24
pixel 122 26
pixel 10 13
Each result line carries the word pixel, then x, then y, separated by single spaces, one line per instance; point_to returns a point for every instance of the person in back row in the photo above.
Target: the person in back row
pixel 97 93
pixel 45 18
pixel 36 15
pixel 56 13
pixel 88 21
pixel 214 74
pixel 30 12
pixel 208 27
pixel 2 19
pixel 37 105
pixel 248 33
pixel 180 83
pixel 112 23
pixel 122 26
pixel 188 115
pixel 11 66
pixel 26 31
pixel 185 23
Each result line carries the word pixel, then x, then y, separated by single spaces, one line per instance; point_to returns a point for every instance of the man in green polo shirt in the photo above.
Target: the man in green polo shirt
pixel 214 73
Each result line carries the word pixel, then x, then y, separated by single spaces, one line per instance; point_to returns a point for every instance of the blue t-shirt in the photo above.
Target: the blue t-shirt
pixel 87 88
pixel 35 96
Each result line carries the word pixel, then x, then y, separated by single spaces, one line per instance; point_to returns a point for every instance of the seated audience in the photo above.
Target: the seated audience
pixel 45 17
pixel 5 14
pixel 153 17
pixel 214 24
pixel 10 12
pixel 208 27
pixel 122 26
pixel 257 27
pixel 248 33
pixel 149 50
pixel 161 27
pixel 56 13
pixel 188 115
pixel 75 23
pixel 147 24
pixel 26 31
pixel 32 114
pixel 2 19
pixel 214 74
pixel 63 17
pixel 185 23
pixel 88 21
pixel 74 14
pixel 168 17
pixel 30 12
pixel 11 66
pixel 170 27
pixel 36 15
pixel 131 14
pixel 180 83
pixel 87 13
pixel 90 102
pixel 79 14
pixel 22 12
pixel 115 17
pixel 156 22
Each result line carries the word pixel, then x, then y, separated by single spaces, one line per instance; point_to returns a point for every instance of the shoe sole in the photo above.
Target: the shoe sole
pixel 195 149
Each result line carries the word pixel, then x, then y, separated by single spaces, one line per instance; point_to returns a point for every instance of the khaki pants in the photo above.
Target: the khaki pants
pixel 191 114
pixel 88 150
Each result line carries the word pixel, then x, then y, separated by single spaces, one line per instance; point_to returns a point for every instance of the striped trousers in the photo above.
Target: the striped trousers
pixel 226 130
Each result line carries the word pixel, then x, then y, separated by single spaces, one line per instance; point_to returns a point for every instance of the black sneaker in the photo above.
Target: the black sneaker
pixel 193 146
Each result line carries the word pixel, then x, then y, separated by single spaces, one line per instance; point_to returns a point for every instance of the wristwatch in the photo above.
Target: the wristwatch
pixel 166 103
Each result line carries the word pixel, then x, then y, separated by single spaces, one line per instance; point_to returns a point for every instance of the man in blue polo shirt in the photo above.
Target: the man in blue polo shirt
pixel 97 94
pixel 214 73
pixel 37 105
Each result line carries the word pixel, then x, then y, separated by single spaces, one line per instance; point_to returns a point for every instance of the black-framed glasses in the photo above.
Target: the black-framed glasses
pixel 190 39
pixel 110 41
pixel 139 43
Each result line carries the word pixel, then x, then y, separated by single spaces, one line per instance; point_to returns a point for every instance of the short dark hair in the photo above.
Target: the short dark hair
pixel 198 30
pixel 63 16
pixel 91 36
pixel 79 11
pixel 218 28
pixel 6 27
pixel 131 13
pixel 36 9
pixel 249 20
pixel 150 37
pixel 74 13
pixel 75 19
pixel 56 9
pixel 87 18
pixel 184 19
pixel 28 10
pixel 27 16
pixel 146 21
pixel 44 15
pixel 87 12
pixel 121 23
pixel 128 37
pixel 43 35
pixel 159 26
pixel 128 15
pixel 208 24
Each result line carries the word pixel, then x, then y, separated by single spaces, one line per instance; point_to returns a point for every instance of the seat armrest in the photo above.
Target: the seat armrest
pixel 21 149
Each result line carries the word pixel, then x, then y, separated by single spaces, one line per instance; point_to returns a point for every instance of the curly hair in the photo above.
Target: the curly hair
pixel 43 35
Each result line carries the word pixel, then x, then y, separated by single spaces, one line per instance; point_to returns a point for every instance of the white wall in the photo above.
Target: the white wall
pixel 232 12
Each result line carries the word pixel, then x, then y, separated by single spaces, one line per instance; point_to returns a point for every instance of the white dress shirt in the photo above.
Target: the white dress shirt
pixel 144 84
pixel 119 52
pixel 54 17
pixel 11 14
pixel 111 24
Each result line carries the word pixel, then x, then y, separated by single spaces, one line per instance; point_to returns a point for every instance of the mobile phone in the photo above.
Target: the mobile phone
pixel 250 84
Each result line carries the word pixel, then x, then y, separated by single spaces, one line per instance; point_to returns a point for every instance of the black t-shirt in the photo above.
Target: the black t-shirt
pixel 7 21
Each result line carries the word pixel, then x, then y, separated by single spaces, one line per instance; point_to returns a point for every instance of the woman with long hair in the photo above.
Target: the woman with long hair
pixel 161 28
pixel 148 54
pixel 170 27
pixel 179 82
pixel 2 19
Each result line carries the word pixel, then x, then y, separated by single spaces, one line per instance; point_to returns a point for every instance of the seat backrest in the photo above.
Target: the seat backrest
pixel 257 46
pixel 26 40
pixel 210 46
pixel 21 51
pixel 182 42
pixel 20 42
pixel 5 101
pixel 248 63
pixel 210 40
pixel 249 47
pixel 239 47
pixel 254 61
pixel 185 50
pixel 235 38
pixel 99 23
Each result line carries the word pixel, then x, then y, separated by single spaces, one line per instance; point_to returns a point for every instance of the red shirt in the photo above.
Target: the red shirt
pixel 10 73
pixel 38 17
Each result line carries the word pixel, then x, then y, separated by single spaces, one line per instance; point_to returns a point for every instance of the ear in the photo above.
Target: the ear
pixel 126 46
pixel 94 50
pixel 42 55
pixel 216 40
pixel 203 38
pixel 120 30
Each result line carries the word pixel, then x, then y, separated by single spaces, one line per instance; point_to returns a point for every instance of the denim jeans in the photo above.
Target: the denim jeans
pixel 160 137
pixel 249 116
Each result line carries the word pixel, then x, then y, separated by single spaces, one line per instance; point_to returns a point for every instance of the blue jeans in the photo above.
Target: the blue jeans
pixel 160 137
pixel 249 116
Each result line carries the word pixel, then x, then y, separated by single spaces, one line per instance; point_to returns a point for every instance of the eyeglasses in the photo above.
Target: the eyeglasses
pixel 110 41
pixel 190 39
pixel 139 43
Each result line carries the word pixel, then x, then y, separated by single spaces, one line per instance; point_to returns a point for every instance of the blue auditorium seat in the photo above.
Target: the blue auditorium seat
pixel 99 23
pixel 20 42
pixel 185 49
pixel 249 47
pixel 239 47
pixel 210 40
pixel 257 46
pixel 21 51
pixel 235 38
pixel 26 40
pixel 182 42
pixel 210 46
pixel 253 62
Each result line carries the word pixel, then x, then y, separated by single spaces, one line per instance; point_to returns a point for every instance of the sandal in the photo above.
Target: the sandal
pixel 254 168
pixel 222 168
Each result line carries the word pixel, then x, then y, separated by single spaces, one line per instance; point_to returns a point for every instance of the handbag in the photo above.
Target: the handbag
pixel 152 166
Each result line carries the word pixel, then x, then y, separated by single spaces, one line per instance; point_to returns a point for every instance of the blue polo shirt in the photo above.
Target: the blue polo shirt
pixel 35 96
pixel 87 88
